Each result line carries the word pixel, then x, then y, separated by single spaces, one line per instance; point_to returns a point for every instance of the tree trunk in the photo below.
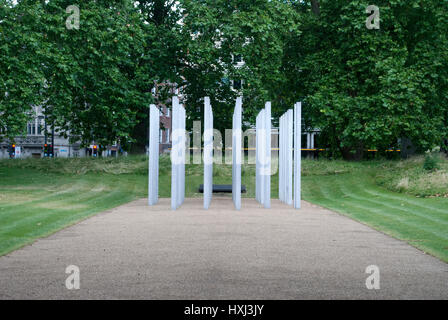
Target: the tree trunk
pixel 315 7
pixel 445 147
pixel 353 154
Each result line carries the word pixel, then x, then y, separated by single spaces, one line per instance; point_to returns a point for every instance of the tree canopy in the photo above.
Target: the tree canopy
pixel 367 88
pixel 363 88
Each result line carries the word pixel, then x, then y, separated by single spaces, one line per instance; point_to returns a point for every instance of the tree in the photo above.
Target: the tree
pixel 161 58
pixel 93 82
pixel 21 76
pixel 367 88
pixel 92 74
pixel 315 7
pixel 363 88
pixel 217 31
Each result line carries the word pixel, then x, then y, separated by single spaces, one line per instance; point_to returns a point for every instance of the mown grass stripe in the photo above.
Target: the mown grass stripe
pixel 23 217
pixel 404 217
pixel 28 233
pixel 438 205
pixel 357 189
pixel 21 212
pixel 50 195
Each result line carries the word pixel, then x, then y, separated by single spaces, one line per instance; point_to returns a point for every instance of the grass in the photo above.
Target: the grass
pixel 34 204
pixel 410 177
pixel 399 198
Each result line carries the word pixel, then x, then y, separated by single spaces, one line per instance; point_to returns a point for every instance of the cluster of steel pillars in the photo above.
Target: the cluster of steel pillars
pixel 289 155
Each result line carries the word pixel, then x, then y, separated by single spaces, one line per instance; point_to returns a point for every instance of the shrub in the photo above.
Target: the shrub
pixel 431 163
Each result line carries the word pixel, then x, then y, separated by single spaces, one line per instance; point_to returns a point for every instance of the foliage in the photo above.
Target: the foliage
pixel 363 88
pixel 215 32
pixel 367 88
pixel 431 163
pixel 21 76
pixel 94 90
pixel 410 177
pixel 93 82
pixel 160 62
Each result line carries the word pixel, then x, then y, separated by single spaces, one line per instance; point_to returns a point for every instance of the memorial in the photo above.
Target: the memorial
pixel 178 154
pixel 263 157
pixel 208 153
pixel 153 169
pixel 285 190
pixel 290 133
pixel 297 153
pixel 236 153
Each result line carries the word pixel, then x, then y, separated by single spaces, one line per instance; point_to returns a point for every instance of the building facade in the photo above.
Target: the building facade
pixel 163 93
pixel 38 133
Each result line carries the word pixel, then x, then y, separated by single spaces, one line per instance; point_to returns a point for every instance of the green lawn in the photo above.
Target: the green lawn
pixel 39 197
pixel 34 204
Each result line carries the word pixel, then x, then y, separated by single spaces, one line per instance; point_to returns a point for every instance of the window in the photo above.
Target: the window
pixel 40 125
pixel 35 127
pixel 167 136
pixel 160 136
pixel 167 112
pixel 31 128
pixel 237 84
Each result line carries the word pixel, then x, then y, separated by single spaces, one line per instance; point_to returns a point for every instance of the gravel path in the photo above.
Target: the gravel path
pixel 138 252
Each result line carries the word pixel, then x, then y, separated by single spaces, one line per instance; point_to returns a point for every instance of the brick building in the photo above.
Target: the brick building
pixel 163 93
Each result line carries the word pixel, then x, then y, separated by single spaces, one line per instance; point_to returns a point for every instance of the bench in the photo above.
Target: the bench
pixel 222 188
